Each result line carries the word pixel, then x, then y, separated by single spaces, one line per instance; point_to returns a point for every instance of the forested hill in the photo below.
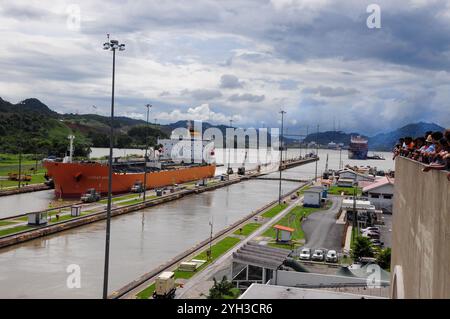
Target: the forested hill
pixel 33 127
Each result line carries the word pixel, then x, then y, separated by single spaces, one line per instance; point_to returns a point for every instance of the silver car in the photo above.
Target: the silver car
pixel 305 254
pixel 331 256
pixel 318 255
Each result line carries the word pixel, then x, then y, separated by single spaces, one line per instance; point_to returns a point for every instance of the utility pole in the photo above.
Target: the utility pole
pixel 210 238
pixel 148 106
pixel 281 154
pixel 229 150
pixel 317 152
pixel 20 145
pixel 307 129
pixel 111 45
pixel 355 213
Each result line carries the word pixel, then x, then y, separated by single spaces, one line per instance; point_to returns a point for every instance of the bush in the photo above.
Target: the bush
pixel 362 247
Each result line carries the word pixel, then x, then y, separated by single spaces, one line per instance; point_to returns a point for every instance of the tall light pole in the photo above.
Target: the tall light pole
pixel 317 152
pixel 281 155
pixel 20 145
pixel 307 129
pixel 148 106
pixel 111 45
pixel 229 150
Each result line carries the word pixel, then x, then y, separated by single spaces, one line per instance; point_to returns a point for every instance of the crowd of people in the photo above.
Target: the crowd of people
pixel 432 149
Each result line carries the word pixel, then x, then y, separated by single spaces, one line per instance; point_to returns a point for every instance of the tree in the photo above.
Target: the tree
pixel 362 247
pixel 384 258
pixel 221 289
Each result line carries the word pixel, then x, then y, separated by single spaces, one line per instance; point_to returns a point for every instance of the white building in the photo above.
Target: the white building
pixel 355 176
pixel 312 197
pixel 381 193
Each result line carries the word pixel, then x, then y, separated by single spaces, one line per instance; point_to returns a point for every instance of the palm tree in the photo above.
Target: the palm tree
pixel 362 247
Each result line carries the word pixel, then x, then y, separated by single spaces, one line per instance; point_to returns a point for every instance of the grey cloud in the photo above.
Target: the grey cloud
pixel 327 91
pixel 23 12
pixel 203 94
pixel 229 81
pixel 246 97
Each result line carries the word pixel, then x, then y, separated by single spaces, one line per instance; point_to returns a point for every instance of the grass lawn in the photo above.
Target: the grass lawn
pixel 248 229
pixel 217 250
pixel 336 190
pixel 13 230
pixel 35 179
pixel 135 201
pixel 115 199
pixel 7 222
pixel 292 219
pixel 274 211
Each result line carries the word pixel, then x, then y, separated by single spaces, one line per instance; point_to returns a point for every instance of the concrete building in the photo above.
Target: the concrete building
pixel 367 213
pixel 355 176
pixel 381 193
pixel 312 197
pixel 420 264
pixel 345 182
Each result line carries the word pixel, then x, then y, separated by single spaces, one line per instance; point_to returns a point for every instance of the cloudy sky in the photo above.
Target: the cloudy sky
pixel 242 60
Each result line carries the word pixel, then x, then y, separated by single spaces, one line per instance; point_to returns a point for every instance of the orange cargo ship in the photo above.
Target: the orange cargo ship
pixel 73 179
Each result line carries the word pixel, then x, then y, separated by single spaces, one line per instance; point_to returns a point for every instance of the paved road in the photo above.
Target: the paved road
pixel 192 287
pixel 321 230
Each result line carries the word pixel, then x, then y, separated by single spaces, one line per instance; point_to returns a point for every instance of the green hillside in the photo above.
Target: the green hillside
pixel 32 127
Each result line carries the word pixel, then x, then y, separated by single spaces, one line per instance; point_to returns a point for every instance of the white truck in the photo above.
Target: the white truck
pixel 165 286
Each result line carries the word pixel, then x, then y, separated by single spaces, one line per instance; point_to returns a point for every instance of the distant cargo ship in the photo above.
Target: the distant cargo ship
pixel 358 148
pixel 72 179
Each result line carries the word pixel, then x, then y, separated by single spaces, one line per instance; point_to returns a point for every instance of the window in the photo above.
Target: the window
pixel 387 196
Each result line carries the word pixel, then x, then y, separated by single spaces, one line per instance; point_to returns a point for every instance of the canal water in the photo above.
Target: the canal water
pixel 140 242
pixel 23 203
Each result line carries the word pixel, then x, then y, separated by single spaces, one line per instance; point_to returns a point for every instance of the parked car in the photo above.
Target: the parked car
pixel 377 242
pixel 331 256
pixel 305 254
pixel 371 235
pixel 318 255
pixel 372 228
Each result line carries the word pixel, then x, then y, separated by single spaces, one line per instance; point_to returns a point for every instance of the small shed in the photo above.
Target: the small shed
pixel 37 218
pixel 284 233
pixel 75 211
pixel 313 197
pixel 345 182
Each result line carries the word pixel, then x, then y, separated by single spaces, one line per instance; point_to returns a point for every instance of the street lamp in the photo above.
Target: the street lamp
pixel 281 155
pixel 317 152
pixel 111 45
pixel 229 171
pixel 148 106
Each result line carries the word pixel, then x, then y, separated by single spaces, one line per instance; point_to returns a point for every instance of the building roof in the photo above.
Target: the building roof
pixel 346 170
pixel 260 256
pixel 281 227
pixel 379 183
pixel 341 179
pixel 313 190
pixel 259 291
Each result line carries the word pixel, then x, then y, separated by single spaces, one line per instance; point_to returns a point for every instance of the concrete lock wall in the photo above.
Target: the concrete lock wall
pixel 420 232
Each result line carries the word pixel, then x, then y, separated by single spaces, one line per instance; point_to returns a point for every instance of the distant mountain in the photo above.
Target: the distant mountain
pixel 32 126
pixel 386 141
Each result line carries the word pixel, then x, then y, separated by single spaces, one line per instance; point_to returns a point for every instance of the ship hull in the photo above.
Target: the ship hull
pixel 359 155
pixel 73 179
